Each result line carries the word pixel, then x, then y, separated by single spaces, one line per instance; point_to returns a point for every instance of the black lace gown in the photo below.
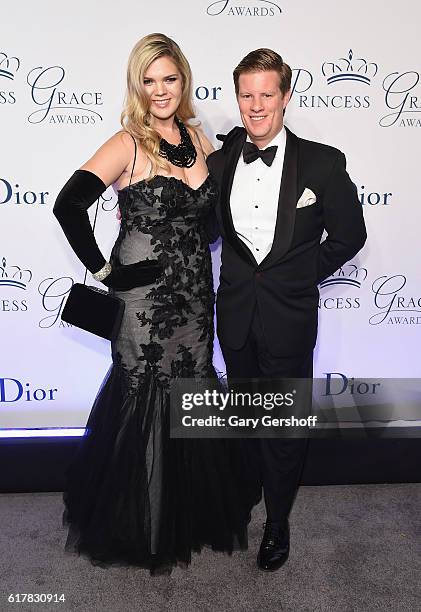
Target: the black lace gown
pixel 134 495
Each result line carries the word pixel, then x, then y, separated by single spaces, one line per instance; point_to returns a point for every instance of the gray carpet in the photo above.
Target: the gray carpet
pixel 354 548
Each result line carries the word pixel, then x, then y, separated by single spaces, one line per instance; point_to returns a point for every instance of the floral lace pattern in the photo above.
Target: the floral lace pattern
pixel 170 329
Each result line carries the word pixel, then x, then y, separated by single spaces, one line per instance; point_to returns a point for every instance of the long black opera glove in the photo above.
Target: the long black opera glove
pixel 123 278
pixel 70 208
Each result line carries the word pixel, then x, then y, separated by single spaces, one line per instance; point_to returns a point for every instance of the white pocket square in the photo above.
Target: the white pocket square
pixel 307 198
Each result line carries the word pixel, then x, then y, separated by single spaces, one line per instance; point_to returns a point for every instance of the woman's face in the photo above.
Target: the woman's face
pixel 163 85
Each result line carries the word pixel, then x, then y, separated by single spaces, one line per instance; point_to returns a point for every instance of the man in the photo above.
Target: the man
pixel 278 193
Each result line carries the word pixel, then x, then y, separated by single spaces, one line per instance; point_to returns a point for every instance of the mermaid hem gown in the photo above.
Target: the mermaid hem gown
pixel 133 495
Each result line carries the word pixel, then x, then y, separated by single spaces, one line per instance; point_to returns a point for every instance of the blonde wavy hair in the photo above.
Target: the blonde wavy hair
pixel 136 117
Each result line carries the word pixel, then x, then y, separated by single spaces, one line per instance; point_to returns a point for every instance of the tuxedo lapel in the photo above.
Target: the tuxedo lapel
pixel 234 148
pixel 286 203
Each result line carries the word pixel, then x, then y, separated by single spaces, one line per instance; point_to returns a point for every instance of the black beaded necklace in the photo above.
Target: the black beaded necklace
pixel 182 155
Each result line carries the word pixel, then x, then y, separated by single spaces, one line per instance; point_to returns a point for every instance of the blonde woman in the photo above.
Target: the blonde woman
pixel 133 494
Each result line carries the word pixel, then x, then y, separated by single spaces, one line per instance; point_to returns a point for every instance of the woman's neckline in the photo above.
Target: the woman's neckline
pixel 168 177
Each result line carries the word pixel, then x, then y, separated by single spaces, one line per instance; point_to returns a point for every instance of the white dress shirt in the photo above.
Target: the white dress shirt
pixel 254 199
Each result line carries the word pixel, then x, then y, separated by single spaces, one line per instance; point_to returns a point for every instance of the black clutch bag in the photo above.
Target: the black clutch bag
pixel 94 310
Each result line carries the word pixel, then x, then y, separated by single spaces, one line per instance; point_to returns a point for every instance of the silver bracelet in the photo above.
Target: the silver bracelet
pixel 103 273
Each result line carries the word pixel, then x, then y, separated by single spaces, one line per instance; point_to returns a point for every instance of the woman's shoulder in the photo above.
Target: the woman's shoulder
pixel 125 144
pixel 120 144
pixel 124 139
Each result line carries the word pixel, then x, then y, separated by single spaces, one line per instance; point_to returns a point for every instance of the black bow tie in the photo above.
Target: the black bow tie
pixel 251 152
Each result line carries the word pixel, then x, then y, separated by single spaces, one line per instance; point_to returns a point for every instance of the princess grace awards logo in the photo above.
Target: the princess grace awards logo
pixel 355 71
pixel 14 276
pixel 9 66
pixel 343 76
pixel 244 8
pixel 108 200
pixel 349 275
pixel 54 292
pixel 13 280
pixel 349 69
pixel 403 98
pixel 56 105
pixel 393 304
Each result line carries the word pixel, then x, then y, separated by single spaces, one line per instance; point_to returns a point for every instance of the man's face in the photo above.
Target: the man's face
pixel 261 104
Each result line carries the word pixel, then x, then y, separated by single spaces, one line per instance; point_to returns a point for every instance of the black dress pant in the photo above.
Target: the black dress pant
pixel 280 459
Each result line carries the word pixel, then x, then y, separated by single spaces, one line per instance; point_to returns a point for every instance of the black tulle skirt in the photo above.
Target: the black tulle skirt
pixel 134 496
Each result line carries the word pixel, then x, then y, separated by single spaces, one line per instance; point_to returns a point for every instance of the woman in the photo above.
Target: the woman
pixel 133 494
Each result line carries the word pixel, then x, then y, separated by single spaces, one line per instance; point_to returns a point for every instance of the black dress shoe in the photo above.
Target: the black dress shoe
pixel 274 549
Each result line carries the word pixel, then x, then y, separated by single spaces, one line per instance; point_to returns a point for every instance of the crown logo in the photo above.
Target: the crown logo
pixel 351 69
pixel 14 276
pixel 353 276
pixel 8 66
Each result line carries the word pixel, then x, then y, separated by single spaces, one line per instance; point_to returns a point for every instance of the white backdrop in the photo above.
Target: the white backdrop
pixel 61 90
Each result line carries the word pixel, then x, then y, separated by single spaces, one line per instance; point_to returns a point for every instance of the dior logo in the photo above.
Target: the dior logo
pixel 207 93
pixel 337 384
pixel 374 198
pixel 13 390
pixel 12 193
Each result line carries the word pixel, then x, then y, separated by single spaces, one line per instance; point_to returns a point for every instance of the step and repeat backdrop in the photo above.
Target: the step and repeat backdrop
pixel 356 85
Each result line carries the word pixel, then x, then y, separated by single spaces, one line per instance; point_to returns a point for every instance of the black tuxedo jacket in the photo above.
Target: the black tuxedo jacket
pixel 284 285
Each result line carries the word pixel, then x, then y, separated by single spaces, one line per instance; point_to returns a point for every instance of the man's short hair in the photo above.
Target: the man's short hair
pixel 263 60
